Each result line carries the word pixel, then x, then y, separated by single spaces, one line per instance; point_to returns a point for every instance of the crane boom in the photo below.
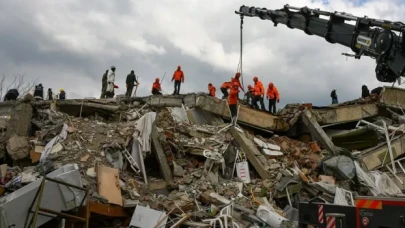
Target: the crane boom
pixel 370 37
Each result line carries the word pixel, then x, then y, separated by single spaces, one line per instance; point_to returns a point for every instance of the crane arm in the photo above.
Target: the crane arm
pixel 377 39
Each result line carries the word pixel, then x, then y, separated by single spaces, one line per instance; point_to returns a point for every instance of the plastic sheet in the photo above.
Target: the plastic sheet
pixel 384 184
pixel 366 180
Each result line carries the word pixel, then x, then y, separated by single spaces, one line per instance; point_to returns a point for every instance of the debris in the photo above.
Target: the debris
pixel 85 158
pixel 91 172
pixel 147 218
pixel 108 184
pixel 18 147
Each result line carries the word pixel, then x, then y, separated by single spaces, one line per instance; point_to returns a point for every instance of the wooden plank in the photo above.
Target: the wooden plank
pixel 108 184
pixel 345 113
pixel 251 151
pixel 317 132
pixel 107 209
pixel 160 155
pixel 247 115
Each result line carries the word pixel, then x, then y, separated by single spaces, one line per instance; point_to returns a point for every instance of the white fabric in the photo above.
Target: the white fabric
pixel 110 81
pixel 143 130
pixel 384 184
pixel 59 138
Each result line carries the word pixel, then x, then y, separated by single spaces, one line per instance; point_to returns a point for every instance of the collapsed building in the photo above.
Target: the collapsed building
pixel 172 161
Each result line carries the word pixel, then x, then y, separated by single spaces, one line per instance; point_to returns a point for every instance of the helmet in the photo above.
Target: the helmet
pixel 255 79
pixel 157 80
pixel 178 67
pixel 249 86
pixel 210 84
pixel 237 75
pixel 61 89
pixel 112 67
pixel 271 84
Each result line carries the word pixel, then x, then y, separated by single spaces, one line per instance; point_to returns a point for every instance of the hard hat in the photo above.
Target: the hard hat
pixel 112 67
pixel 61 89
pixel 249 86
pixel 210 84
pixel 271 84
pixel 237 75
pixel 157 80
pixel 255 79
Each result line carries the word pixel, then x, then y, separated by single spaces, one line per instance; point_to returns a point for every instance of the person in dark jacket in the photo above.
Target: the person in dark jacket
pixel 377 91
pixel 131 80
pixel 50 94
pixel 334 97
pixel 39 92
pixel 11 95
pixel 62 94
pixel 364 91
pixel 104 85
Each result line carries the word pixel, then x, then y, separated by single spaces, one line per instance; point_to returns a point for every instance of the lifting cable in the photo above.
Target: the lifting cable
pixel 239 69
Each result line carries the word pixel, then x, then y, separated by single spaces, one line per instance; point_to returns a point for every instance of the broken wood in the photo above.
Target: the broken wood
pixel 108 184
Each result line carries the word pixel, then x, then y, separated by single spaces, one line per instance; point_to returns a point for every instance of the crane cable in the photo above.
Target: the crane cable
pixel 239 68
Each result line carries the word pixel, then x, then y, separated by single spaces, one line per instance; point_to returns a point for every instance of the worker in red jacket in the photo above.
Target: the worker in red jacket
pixel 233 101
pixel 224 89
pixel 249 95
pixel 156 88
pixel 258 94
pixel 273 96
pixel 236 79
pixel 211 90
pixel 178 78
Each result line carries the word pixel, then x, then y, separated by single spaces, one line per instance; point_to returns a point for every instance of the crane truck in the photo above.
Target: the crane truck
pixel 381 40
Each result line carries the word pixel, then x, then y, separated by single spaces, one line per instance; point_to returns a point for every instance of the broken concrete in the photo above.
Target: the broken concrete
pixel 393 97
pixel 18 147
pixel 160 155
pixel 251 152
pixel 317 132
pixel 341 114
pixel 19 123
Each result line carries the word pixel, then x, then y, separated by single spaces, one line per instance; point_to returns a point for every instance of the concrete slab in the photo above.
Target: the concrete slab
pixel 374 157
pixel 164 101
pixel 198 116
pixel 247 115
pixel 251 152
pixel 20 120
pixel 161 157
pixel 343 114
pixel 391 96
pixel 317 132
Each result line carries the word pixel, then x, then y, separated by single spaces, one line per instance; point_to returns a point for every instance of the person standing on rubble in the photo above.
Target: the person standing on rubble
pixel 39 92
pixel 258 94
pixel 334 97
pixel 224 89
pixel 364 91
pixel 156 87
pixel 233 101
pixel 104 85
pixel 131 80
pixel 249 95
pixel 110 82
pixel 376 92
pixel 211 90
pixel 62 94
pixel 50 94
pixel 273 96
pixel 236 79
pixel 11 95
pixel 178 78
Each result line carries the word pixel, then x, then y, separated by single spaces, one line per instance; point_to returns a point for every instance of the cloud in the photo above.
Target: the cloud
pixel 70 44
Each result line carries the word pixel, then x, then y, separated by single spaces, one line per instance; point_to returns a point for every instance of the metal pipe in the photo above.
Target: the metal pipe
pixel 62 214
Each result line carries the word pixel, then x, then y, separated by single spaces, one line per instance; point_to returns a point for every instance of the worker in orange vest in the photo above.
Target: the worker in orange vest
pixel 273 96
pixel 258 94
pixel 236 80
pixel 249 95
pixel 156 88
pixel 211 90
pixel 224 89
pixel 233 101
pixel 178 78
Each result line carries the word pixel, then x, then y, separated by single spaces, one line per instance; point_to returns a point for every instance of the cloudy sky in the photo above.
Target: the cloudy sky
pixel 70 43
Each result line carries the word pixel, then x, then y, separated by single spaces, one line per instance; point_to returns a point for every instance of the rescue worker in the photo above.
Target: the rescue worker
pixel 334 97
pixel 131 80
pixel 249 95
pixel 273 96
pixel 233 101
pixel 211 90
pixel 224 89
pixel 236 80
pixel 258 94
pixel 110 82
pixel 11 95
pixel 156 88
pixel 376 92
pixel 50 94
pixel 39 92
pixel 178 78
pixel 62 94
pixel 364 91
pixel 104 85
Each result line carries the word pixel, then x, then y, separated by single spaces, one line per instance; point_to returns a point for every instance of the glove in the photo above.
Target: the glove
pixel 278 100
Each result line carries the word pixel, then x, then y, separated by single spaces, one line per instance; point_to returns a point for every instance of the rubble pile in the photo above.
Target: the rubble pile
pixel 176 162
